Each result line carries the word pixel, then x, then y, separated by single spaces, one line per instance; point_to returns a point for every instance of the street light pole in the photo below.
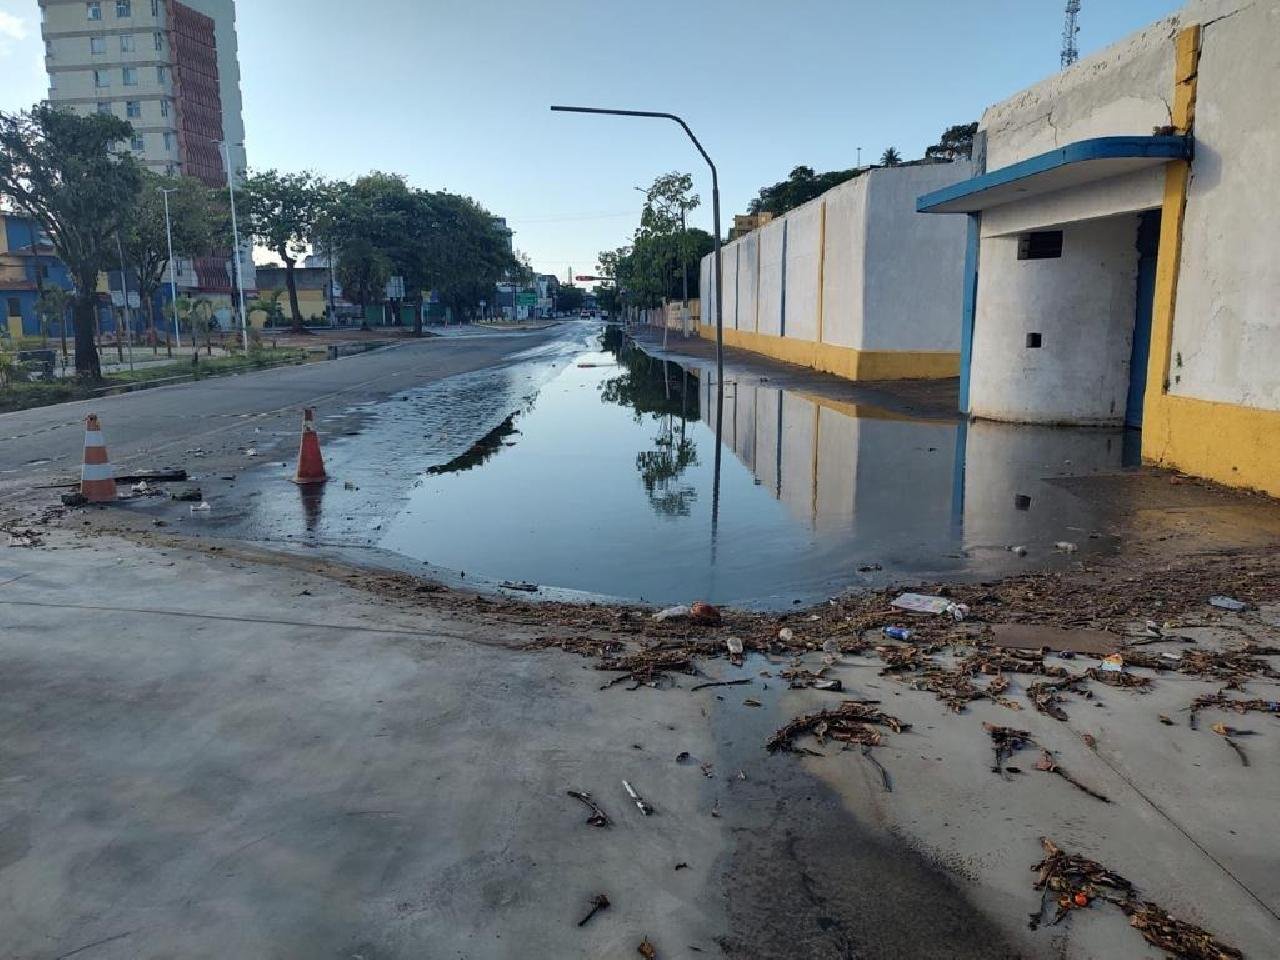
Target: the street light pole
pixel 235 234
pixel 173 267
pixel 715 210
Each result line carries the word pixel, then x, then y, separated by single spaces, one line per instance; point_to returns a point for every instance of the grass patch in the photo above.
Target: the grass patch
pixel 42 393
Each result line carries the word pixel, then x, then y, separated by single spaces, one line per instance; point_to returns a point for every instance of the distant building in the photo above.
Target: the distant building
pixel 28 266
pixel 744 223
pixel 172 70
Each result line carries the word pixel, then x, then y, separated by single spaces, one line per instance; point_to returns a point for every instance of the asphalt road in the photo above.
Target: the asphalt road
pixel 155 428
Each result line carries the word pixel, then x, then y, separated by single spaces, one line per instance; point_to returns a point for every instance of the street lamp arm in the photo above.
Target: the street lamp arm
pixel 645 113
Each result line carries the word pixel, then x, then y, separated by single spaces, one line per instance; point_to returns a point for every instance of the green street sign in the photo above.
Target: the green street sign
pixel 527 298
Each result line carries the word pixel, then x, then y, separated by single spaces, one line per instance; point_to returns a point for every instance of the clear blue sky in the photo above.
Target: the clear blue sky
pixel 454 93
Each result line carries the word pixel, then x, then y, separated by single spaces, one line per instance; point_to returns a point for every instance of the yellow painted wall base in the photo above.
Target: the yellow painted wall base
pixel 1230 444
pixel 15 327
pixel 847 362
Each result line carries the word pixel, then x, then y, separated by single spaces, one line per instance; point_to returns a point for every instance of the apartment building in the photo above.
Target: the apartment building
pixel 172 70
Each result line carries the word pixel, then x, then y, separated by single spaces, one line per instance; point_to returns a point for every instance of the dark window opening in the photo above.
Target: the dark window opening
pixel 15 307
pixel 1033 340
pixel 1021 501
pixel 1040 245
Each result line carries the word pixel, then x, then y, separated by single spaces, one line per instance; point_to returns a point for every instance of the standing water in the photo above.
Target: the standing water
pixel 605 481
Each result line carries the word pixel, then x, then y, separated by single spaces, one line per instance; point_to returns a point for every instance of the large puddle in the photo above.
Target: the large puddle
pixel 606 480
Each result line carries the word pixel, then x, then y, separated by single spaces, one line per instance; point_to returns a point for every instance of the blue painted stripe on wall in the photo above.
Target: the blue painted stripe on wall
pixel 969 310
pixel 1099 148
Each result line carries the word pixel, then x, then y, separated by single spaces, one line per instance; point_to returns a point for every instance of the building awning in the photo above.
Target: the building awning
pixel 1084 161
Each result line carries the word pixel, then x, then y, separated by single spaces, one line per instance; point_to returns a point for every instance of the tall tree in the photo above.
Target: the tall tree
pixel 569 298
pixel 363 271
pixel 891 157
pixel 668 202
pixel 195 214
pixel 59 168
pixel 956 143
pixel 285 212
pixel 801 186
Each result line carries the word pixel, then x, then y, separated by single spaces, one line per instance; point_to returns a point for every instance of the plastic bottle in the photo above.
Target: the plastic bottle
pixel 897 633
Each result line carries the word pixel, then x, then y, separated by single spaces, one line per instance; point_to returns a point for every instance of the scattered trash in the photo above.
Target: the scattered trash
pixel 348 485
pixel 646 949
pixel 673 613
pixel 1018 551
pixel 1228 603
pixel 144 489
pixel 598 902
pixel 897 633
pixel 719 683
pixel 251 452
pixel 1221 701
pixel 1005 742
pixel 831 645
pixel 598 817
pixel 1228 734
pixel 847 722
pixel 25 538
pixel 704 613
pixel 1034 636
pixel 833 685
pixel 201 507
pixel 682 866
pixel 1113 663
pixel 189 493
pixel 707 770
pixel 733 645
pixel 1065 546
pixel 523 586
pixel 921 603
pixel 869 568
pixel 1078 882
pixel 1166 721
pixel 642 804
pixel 786 634
pixel 1049 765
pixel 752 703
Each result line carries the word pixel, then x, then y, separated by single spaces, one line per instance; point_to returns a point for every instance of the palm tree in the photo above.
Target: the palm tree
pixel 891 157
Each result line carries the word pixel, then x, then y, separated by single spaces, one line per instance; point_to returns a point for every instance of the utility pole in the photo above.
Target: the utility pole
pixel 124 287
pixel 173 268
pixel 1070 52
pixel 235 235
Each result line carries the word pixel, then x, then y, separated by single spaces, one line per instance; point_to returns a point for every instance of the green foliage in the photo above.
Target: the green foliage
pixel 58 167
pixel 286 213
pixel 268 303
pixel 956 143
pixel 569 298
pixel 801 186
pixel 363 271
pixel 891 157
pixel 195 215
pixel 51 307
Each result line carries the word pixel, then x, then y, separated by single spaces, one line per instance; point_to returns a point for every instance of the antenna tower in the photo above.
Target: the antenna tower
pixel 1070 52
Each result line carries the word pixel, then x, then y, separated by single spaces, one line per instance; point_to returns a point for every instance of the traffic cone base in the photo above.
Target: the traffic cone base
pixel 310 462
pixel 97 476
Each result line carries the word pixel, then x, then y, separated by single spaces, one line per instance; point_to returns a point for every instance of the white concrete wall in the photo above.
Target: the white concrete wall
pixel 770 312
pixel 804 246
pixel 1083 305
pixel 1226 333
pixel 843 287
pixel 914 262
pixel 890 278
pixel 1124 89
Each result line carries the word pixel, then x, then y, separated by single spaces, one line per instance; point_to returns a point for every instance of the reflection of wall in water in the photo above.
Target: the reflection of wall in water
pixel 1006 462
pixel 840 467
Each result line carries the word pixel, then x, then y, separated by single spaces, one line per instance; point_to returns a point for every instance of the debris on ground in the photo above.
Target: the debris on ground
pixel 1046 695
pixel 1228 603
pixel 598 817
pixel 704 613
pixel 1065 546
pixel 524 586
pixel 647 667
pixel 1220 701
pixel 1005 741
pixel 720 683
pixel 641 804
pixel 76 499
pixel 1228 734
pixel 1078 881
pixel 187 494
pixel 598 902
pixel 19 537
pixel 646 949
pixel 679 612
pixel 1047 764
pixel 850 723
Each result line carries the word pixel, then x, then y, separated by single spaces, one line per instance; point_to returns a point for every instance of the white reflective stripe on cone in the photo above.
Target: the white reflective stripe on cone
pixel 98 471
pixel 93 438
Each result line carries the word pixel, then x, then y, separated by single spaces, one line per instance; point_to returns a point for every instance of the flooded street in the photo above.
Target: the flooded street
pixel 596 473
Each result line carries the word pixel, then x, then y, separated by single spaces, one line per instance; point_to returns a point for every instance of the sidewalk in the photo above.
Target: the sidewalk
pixel 212 752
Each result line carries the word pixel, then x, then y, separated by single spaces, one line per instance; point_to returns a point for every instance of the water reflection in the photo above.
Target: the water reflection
pixel 636 476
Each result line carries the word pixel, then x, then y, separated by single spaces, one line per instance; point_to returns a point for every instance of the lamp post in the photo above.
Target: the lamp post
pixel 719 286
pixel 173 267
pixel 715 208
pixel 235 234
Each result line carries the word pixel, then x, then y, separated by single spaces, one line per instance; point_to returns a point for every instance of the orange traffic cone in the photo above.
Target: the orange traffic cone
pixel 310 463
pixel 97 477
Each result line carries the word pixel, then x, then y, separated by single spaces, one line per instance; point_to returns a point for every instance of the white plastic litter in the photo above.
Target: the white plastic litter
pixel 1065 546
pixel 201 507
pixel 921 603
pixel 1228 603
pixel 673 613
pixel 734 645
